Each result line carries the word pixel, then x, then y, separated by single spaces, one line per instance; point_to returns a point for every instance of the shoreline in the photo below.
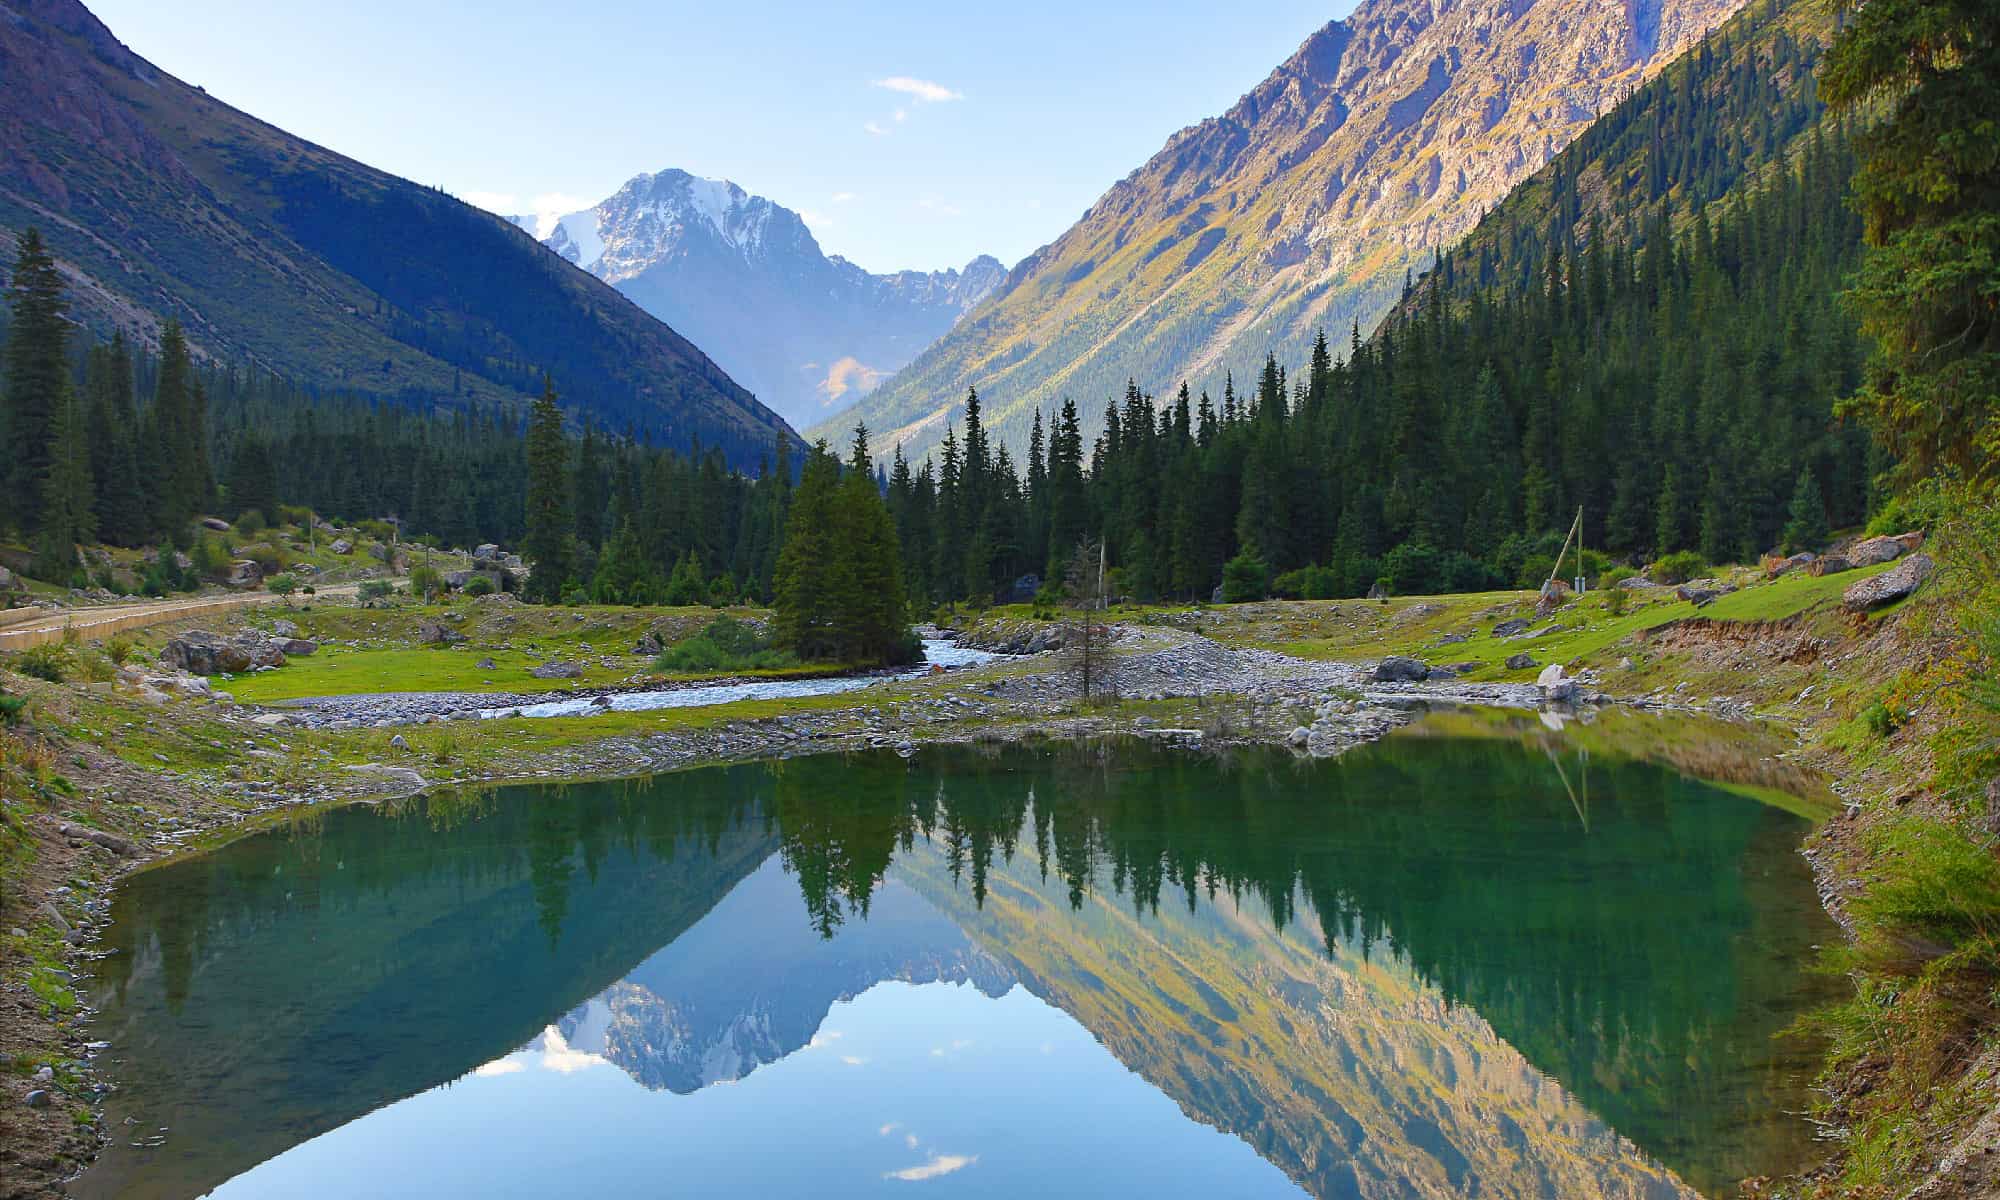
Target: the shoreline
pixel 1177 687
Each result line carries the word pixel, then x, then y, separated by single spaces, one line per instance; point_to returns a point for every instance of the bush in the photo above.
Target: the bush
pixel 1611 577
pixel 211 558
pixel 427 582
pixel 1308 583
pixel 1616 601
pixel 1679 567
pixel 295 514
pixel 269 559
pixel 377 589
pixel 573 594
pixel 251 522
pixel 479 585
pixel 13 709
pixel 727 644
pixel 52 662
pixel 283 584
pixel 381 531
pixel 119 650
pixel 1880 719
pixel 1244 578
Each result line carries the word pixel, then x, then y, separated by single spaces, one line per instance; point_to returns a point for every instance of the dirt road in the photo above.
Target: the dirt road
pixel 39 626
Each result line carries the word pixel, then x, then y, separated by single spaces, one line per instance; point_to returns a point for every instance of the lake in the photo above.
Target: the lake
pixel 1495 964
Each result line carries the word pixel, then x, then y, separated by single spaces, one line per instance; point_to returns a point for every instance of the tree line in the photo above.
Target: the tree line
pixel 111 443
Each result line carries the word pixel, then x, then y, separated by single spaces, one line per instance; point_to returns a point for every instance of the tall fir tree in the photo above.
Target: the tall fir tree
pixel 37 374
pixel 549 526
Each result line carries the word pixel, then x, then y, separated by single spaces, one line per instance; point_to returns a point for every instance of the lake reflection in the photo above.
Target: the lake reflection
pixel 1433 967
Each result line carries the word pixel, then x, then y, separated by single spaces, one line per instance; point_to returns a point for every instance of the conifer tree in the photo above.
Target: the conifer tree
pixel 37 372
pixel 549 529
pixel 68 519
pixel 1806 530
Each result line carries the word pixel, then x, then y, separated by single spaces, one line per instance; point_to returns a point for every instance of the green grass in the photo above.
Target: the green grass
pixel 1591 631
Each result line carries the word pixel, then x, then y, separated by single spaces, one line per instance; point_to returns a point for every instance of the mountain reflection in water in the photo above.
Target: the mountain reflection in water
pixel 1428 968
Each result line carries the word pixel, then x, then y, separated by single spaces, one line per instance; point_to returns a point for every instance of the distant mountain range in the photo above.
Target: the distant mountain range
pixel 743 276
pixel 1380 142
pixel 161 201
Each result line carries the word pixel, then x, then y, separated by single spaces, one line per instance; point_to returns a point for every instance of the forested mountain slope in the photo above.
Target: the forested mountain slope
pixel 1378 143
pixel 1663 351
pixel 162 202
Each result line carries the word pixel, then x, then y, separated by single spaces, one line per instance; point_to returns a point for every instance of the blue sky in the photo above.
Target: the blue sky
pixel 912 135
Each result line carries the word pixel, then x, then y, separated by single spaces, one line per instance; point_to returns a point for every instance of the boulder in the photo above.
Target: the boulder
pixel 649 644
pixel 1300 736
pixel 342 546
pixel 9 582
pixel 1557 687
pixel 379 551
pixel 1631 582
pixel 296 647
pixel 1399 668
pixel 1510 628
pixel 1801 561
pixel 1875 550
pixel 556 669
pixel 216 523
pixel 436 633
pixel 1442 674
pixel 284 629
pixel 245 573
pixel 199 652
pixel 1378 592
pixel 1894 584
pixel 1700 592
pixel 486 552
pixel 485 664
pixel 1829 564
pixel 1521 662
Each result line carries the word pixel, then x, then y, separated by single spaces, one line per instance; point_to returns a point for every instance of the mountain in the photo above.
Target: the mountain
pixel 746 280
pixel 1381 141
pixel 161 201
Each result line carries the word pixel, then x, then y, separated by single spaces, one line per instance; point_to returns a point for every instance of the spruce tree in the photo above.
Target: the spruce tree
pixel 68 518
pixel 1806 530
pixel 37 372
pixel 549 527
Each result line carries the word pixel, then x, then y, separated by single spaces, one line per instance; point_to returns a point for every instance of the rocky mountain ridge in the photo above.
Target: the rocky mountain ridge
pixel 1305 206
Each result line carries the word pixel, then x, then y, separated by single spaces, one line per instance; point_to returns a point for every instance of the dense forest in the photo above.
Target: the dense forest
pixel 1680 392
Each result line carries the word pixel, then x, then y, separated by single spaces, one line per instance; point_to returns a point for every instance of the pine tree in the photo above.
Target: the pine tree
pixel 67 517
pixel 1806 530
pixel 37 372
pixel 546 543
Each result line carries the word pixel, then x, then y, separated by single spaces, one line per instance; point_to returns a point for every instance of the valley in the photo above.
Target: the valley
pixel 1439 640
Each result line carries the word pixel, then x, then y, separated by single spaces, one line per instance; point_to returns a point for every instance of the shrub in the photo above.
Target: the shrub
pixel 377 589
pixel 479 585
pixel 1611 577
pixel 52 662
pixel 295 514
pixel 1244 577
pixel 1679 567
pixel 1616 601
pixel 283 584
pixel 727 644
pixel 269 559
pixel 1308 583
pixel 211 557
pixel 13 709
pixel 574 594
pixel 119 650
pixel 251 522
pixel 1880 719
pixel 381 531
pixel 427 582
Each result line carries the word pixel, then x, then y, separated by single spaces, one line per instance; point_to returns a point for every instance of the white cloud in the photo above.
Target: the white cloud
pixel 500 1066
pixel 853 1060
pixel 910 1140
pixel 816 220
pixel 890 1128
pixel 923 91
pixel 932 202
pixel 843 197
pixel 902 115
pixel 938 1164
pixel 874 128
pixel 560 204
